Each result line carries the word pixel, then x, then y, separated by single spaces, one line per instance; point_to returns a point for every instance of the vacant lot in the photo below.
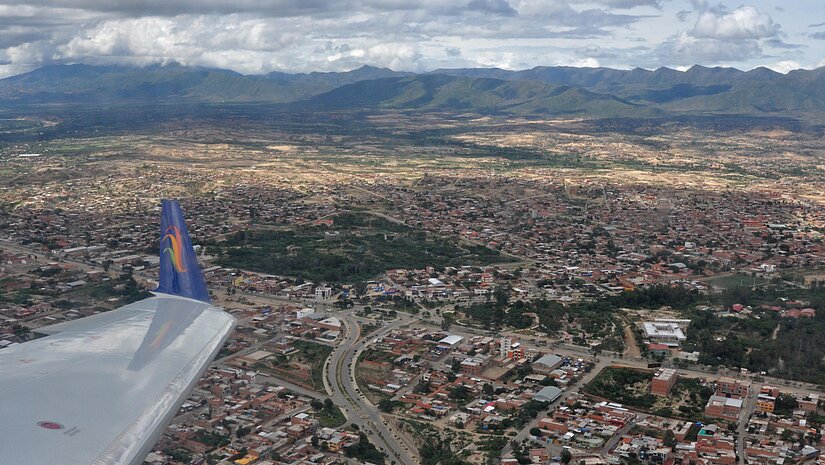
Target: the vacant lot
pixel 631 387
pixel 304 367
pixel 628 386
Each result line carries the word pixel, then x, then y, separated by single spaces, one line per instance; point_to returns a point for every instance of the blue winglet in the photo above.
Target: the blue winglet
pixel 180 273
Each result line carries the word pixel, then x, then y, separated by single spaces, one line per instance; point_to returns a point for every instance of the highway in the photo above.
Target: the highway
pixel 340 382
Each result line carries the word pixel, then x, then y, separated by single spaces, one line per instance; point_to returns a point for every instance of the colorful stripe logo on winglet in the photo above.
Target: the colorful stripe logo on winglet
pixel 179 273
pixel 175 248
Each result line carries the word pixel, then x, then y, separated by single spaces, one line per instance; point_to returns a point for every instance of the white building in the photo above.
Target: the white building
pixel 506 346
pixel 323 292
pixel 664 333
pixel 547 363
pixel 450 341
pixel 547 394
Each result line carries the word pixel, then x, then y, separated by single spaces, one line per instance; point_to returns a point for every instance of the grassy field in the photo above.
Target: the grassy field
pixel 735 280
pixel 330 417
pixel 304 366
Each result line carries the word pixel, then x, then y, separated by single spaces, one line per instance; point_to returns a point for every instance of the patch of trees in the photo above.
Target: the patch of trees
pixel 796 353
pixel 614 384
pixel 461 394
pixel 785 405
pixel 388 405
pixel 179 455
pixel 528 411
pixel 211 438
pixel 656 296
pixel 437 451
pixel 364 450
pixel 369 247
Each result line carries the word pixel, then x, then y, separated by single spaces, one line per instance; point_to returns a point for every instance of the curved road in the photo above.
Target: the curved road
pixel 340 383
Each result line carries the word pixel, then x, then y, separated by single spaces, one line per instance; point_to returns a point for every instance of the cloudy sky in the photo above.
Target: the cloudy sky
pixel 258 36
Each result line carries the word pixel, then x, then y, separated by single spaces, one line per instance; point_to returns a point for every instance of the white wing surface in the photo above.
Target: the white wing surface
pixel 100 390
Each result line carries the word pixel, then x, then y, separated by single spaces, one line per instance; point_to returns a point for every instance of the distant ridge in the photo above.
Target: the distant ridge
pixel 363 73
pixel 543 90
pixel 486 95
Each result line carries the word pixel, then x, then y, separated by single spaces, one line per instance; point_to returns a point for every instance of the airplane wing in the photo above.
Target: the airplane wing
pixel 100 390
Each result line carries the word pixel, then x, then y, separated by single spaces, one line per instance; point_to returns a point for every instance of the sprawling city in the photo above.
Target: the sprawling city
pixel 434 249
pixel 615 298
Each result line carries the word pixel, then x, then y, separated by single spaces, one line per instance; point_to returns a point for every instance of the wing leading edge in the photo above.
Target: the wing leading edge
pixel 100 390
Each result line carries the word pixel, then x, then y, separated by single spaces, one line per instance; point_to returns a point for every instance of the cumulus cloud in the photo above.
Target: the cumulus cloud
pixel 221 41
pixel 686 49
pixel 257 36
pixel 785 67
pixel 397 56
pixel 583 63
pixel 722 36
pixel 745 22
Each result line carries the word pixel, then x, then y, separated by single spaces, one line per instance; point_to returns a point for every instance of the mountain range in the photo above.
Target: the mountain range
pixel 540 91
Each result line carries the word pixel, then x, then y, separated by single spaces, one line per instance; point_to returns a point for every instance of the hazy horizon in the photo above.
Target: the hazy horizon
pixel 681 69
pixel 417 35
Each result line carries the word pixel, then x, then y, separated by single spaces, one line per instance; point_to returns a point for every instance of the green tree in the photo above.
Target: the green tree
pixel 455 366
pixel 669 439
pixel 460 393
pixel 487 389
pixel 386 405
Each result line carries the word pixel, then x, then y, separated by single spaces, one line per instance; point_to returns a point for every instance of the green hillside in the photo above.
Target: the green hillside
pixel 440 92
pixel 540 91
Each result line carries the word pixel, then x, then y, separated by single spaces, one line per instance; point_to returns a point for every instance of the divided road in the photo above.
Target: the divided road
pixel 340 382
